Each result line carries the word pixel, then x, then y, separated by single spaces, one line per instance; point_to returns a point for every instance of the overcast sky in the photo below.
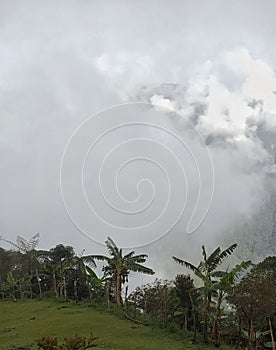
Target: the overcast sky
pixel 62 61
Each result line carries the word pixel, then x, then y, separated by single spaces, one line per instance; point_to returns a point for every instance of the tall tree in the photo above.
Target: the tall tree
pixel 205 271
pixel 96 285
pixel 119 266
pixel 30 257
pixel 79 264
pixel 255 298
pixel 59 259
pixel 221 288
pixel 188 297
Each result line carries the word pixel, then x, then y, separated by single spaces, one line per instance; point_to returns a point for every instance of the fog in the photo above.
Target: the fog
pixel 213 63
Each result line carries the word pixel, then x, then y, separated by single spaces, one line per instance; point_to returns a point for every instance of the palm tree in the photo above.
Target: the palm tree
pixel 97 284
pixel 205 271
pixel 57 262
pixel 222 287
pixel 79 263
pixel 119 266
pixel 50 267
pixel 31 255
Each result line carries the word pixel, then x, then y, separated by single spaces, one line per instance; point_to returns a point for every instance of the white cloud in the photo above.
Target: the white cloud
pixel 61 62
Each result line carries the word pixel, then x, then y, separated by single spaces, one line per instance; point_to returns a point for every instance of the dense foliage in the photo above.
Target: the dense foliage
pixel 236 305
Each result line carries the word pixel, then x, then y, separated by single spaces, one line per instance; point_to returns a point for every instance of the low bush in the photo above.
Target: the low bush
pixel 75 343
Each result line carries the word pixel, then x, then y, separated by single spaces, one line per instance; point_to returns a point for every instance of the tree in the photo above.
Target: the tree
pixel 80 270
pixel 57 262
pixel 10 260
pixel 255 298
pixel 30 257
pixel 96 284
pixel 12 283
pixel 205 271
pixel 221 288
pixel 158 301
pixel 119 266
pixel 188 297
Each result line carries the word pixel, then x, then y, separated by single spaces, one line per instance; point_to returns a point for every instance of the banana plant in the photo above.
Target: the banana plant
pixel 62 269
pixel 95 283
pixel 220 288
pixel 58 273
pixel 31 257
pixel 78 263
pixel 12 284
pixel 119 266
pixel 205 271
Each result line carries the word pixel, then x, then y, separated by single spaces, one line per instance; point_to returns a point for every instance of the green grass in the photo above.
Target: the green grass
pixel 29 320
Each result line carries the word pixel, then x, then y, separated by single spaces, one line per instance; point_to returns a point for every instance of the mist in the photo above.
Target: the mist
pixel 213 63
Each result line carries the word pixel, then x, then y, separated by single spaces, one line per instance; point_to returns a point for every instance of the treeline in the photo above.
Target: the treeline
pixel 27 272
pixel 236 305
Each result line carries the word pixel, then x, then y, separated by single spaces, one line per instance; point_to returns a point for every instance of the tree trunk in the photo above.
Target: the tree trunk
pixel 250 333
pixel 271 334
pixel 239 332
pixel 20 290
pixel 165 307
pixel 185 320
pixel 89 291
pixel 55 285
pixel 118 288
pixel 13 293
pixel 2 291
pixel 126 298
pixel 39 284
pixel 64 287
pixel 30 288
pixel 205 318
pixel 219 332
pixel 107 293
pixel 135 305
pixel 75 290
pixel 216 331
pixel 193 315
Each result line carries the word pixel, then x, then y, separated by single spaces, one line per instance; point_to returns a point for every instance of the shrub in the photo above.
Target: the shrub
pixel 75 343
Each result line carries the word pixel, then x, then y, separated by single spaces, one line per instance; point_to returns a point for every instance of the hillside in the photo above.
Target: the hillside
pixel 22 322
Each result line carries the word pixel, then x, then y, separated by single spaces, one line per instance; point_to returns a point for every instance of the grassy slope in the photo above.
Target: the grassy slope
pixel 53 320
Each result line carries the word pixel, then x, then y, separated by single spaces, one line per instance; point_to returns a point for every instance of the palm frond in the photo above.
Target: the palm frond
pixel 89 259
pixel 22 244
pixel 33 242
pixel 129 255
pixel 101 258
pixel 214 259
pixel 141 256
pixel 91 273
pixel 111 247
pixel 217 274
pixel 238 269
pixel 140 268
pixel 64 266
pixel 204 254
pixel 10 242
pixel 137 258
pixel 186 264
pixel 217 257
pixel 228 251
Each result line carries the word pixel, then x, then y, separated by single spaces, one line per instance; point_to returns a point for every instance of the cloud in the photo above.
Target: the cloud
pixel 61 62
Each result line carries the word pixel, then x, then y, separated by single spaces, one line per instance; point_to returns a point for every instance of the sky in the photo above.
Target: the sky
pixel 211 62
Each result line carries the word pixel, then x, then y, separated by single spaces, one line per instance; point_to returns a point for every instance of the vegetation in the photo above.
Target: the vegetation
pixel 234 305
pixel 206 271
pixel 23 322
pixel 75 343
pixel 119 266
pixel 255 301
